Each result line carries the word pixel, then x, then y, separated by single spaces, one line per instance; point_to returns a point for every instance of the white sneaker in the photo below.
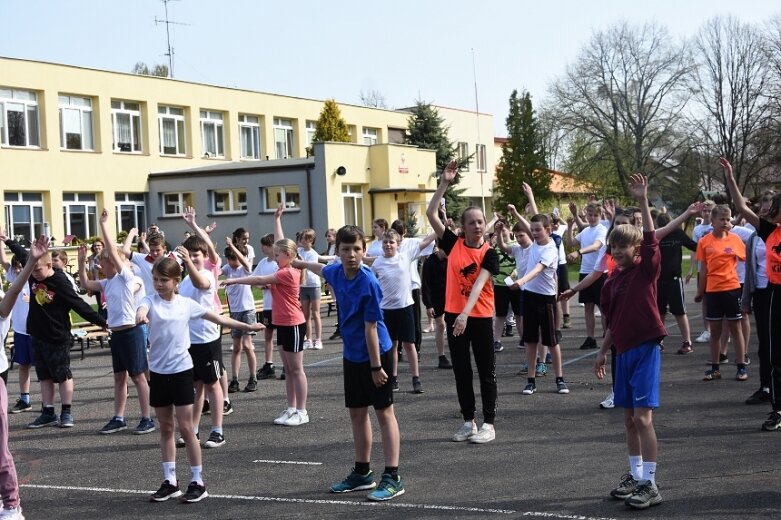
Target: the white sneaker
pixel 284 416
pixel 703 338
pixel 297 418
pixel 485 434
pixel 608 402
pixel 307 344
pixel 597 313
pixel 317 345
pixel 15 513
pixel 465 432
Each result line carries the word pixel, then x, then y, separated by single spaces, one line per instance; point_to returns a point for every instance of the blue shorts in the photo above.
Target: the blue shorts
pixel 23 349
pixel 128 351
pixel 638 371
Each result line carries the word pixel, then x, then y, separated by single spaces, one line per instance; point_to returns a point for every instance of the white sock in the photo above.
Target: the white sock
pixel 649 472
pixel 195 471
pixel 291 410
pixel 169 472
pixel 636 466
pixel 302 412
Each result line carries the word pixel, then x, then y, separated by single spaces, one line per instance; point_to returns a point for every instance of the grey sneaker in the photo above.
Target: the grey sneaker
pixel 465 432
pixel 625 488
pixel 498 347
pixel 66 420
pixel 417 386
pixel 646 495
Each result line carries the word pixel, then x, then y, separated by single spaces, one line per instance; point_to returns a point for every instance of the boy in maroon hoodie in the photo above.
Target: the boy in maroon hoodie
pixel 635 328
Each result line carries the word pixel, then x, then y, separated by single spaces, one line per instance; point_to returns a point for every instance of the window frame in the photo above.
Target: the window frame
pixel 463 154
pixel 27 104
pixel 134 115
pixel 254 130
pixel 236 207
pixel 284 190
pixel 372 138
pixel 87 201
pixel 32 201
pixel 353 193
pixel 85 114
pixel 480 158
pixel 216 119
pixel 180 134
pixel 286 125
pixel 184 199
pixel 123 202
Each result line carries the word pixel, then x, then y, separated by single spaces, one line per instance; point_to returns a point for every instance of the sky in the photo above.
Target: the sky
pixel 427 50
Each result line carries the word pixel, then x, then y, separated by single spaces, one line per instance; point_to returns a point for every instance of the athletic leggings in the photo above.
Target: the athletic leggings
pixel 480 336
pixel 774 343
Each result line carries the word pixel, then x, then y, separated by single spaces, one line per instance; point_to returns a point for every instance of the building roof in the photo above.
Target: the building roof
pixel 233 167
pixel 566 183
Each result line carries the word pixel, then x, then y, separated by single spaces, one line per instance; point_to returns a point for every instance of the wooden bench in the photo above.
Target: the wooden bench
pixel 84 333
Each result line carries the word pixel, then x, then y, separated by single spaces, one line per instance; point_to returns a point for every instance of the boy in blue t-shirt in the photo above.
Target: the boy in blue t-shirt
pixel 367 362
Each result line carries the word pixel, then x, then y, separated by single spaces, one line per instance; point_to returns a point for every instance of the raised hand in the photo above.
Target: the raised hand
pixel 40 247
pixel 210 227
pixel 450 171
pixel 726 165
pixel 638 186
pixel 280 210
pixel 104 216
pixel 189 215
pixel 82 253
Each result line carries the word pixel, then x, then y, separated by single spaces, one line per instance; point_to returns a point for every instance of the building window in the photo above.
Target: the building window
pixel 396 135
pixel 76 123
pixel 352 198
pixel 212 135
pixel 80 214
pixel 229 201
pixel 171 122
pixel 272 196
pixel 480 152
pixel 131 211
pixel 283 138
pixel 249 131
pixel 174 203
pixel 19 118
pixel 311 128
pixel 126 123
pixel 370 135
pixel 24 215
pixel 463 155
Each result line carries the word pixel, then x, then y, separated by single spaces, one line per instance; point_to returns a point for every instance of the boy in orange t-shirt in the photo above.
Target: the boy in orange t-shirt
pixel 719 253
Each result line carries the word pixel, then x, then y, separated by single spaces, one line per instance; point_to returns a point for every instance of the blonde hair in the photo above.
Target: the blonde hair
pixel 104 254
pixel 624 235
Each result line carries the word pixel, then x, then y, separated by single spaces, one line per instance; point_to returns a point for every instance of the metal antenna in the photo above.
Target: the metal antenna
pixel 168 24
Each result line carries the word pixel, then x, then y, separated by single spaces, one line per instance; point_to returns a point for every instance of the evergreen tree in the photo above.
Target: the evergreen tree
pixel 523 157
pixel 426 129
pixel 330 125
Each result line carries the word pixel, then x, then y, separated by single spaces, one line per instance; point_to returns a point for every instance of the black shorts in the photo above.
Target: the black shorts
pixel 562 273
pixel 52 362
pixel 539 318
pixel 669 293
pixel 290 338
pixel 591 293
pixel 171 389
pixel 723 305
pixel 264 318
pixel 504 297
pixel 206 367
pixel 359 388
pixel 400 324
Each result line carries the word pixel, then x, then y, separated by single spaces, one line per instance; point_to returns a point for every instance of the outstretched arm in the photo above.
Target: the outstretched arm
pixel 677 222
pixel 573 208
pixel 128 243
pixel 84 281
pixel 524 223
pixel 189 218
pixel 315 267
pixel 737 197
pixel 500 239
pixel 278 233
pixel 530 195
pixel 225 321
pixel 638 188
pixel 39 248
pixel 111 246
pixel 432 211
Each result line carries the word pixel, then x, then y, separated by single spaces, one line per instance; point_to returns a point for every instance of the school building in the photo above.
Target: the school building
pixel 74 140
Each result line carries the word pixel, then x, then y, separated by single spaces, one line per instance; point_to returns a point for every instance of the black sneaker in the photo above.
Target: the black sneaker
pixel 589 344
pixel 166 491
pixel 723 359
pixel 266 372
pixel 282 375
pixel 417 386
pixel 233 387
pixel 508 331
pixel 215 440
pixel 335 335
pixel 113 426
pixel 773 421
pixel 759 397
pixel 227 408
pixel 21 406
pixel 444 362
pixel 45 419
pixel 180 441
pixel 252 385
pixel 206 408
pixel 195 493
pixel 395 384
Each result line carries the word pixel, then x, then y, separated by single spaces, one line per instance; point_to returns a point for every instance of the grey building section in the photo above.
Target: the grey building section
pixel 253 176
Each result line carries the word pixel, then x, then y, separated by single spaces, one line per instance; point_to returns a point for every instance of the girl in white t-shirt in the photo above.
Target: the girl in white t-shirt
pixel 171 376
pixel 267 266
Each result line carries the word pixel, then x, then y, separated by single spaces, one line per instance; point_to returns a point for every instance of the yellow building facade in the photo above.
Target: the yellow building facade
pixel 74 140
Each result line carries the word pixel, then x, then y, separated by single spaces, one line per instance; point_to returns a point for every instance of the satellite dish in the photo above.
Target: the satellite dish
pixel 341 171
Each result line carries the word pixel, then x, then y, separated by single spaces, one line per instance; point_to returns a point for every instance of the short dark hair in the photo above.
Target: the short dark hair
pixel 543 219
pixel 350 235
pixel 196 243
pixel 267 239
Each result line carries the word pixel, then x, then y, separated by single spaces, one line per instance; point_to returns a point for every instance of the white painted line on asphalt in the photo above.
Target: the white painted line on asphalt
pixel 563 517
pixel 399 505
pixel 302 463
pixel 324 362
pixel 584 356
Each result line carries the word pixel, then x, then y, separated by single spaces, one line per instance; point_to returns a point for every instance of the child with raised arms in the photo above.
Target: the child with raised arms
pixel 171 373
pixel 242 308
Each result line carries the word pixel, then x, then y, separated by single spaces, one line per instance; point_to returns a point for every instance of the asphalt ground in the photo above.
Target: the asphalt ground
pixel 555 456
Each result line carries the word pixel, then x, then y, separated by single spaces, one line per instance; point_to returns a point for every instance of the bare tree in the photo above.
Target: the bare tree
pixel 143 69
pixel 627 91
pixel 373 98
pixel 734 112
